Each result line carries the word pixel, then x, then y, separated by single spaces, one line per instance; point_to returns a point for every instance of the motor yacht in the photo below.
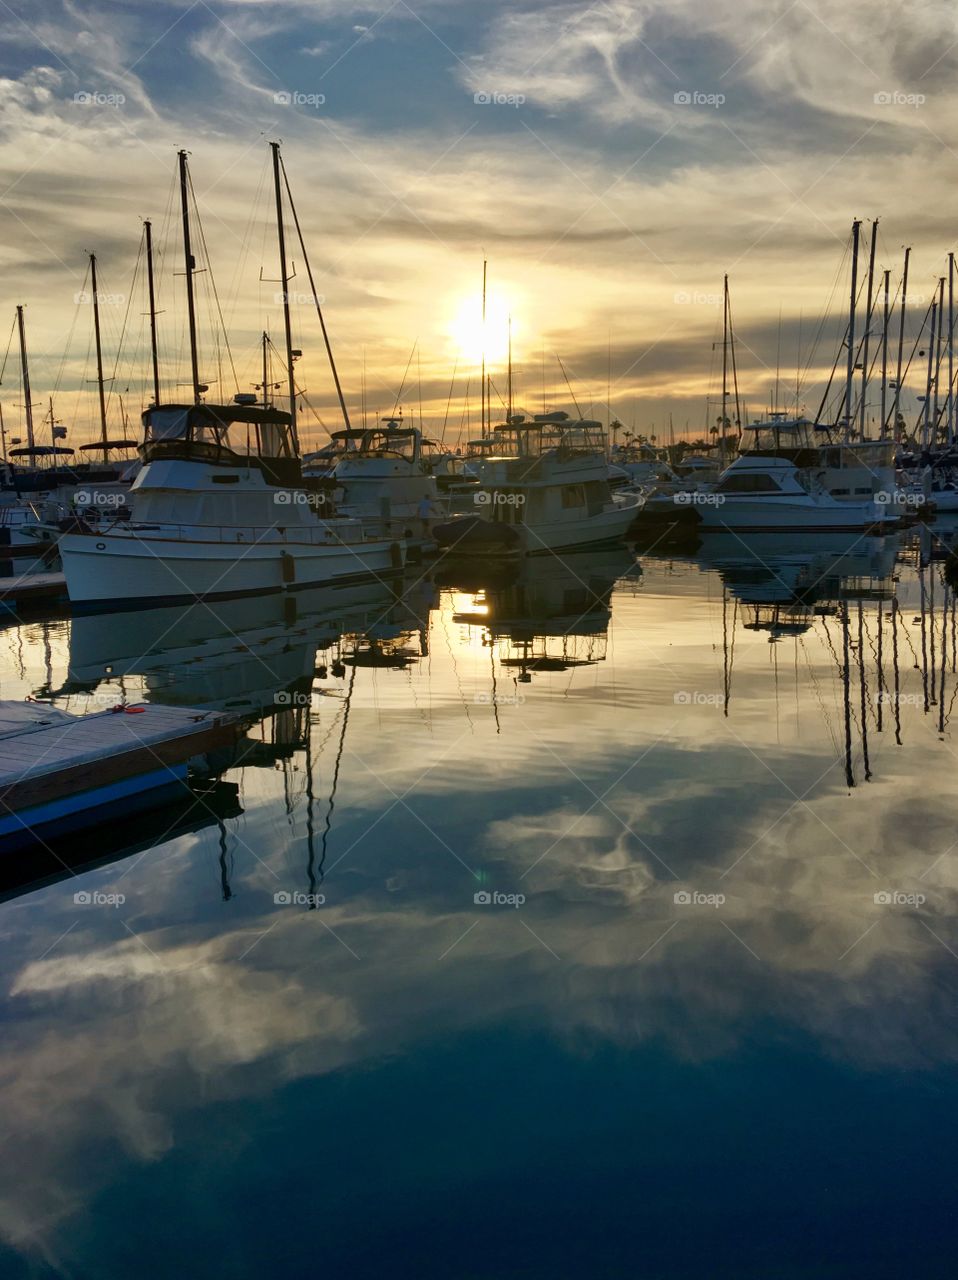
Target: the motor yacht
pixel 544 488
pixel 219 509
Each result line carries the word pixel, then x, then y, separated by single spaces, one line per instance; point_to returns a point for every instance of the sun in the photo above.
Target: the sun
pixel 474 340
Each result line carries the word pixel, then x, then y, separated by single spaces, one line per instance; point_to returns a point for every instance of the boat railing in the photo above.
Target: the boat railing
pixel 325 534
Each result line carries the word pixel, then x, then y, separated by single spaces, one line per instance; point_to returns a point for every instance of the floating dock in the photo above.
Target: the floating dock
pixel 32 590
pixel 60 772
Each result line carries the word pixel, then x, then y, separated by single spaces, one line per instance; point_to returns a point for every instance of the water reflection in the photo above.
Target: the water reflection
pixel 666 763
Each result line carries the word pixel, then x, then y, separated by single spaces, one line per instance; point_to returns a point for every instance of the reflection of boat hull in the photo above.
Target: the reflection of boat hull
pixel 474 536
pixel 555 599
pixel 784 566
pixel 242 652
pixel 142 572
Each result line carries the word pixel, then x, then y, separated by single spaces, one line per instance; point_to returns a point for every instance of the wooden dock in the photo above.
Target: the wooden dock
pixel 59 772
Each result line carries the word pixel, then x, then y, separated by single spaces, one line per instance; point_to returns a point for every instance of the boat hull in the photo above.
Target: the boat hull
pixel 605 529
pixel 783 514
pixel 143 572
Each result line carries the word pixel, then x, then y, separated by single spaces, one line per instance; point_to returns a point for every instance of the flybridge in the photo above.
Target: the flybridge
pixel 213 433
pixel 546 431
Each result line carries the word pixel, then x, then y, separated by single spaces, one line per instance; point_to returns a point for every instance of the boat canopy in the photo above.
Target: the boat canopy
pixel 201 433
pixel 96 446
pixel 550 431
pixel 210 424
pixel 391 439
pixel 40 451
pixel 779 432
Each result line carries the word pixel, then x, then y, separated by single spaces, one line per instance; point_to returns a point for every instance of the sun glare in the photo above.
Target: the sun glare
pixel 472 339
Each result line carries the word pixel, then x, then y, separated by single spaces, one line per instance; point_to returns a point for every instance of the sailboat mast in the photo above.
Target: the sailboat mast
pixel 99 357
pixel 509 418
pixel 951 349
pixel 281 236
pixel 265 369
pixel 931 356
pixel 901 341
pixel 884 348
pixel 941 326
pixel 148 228
pixel 25 378
pixel 724 372
pixel 868 328
pixel 190 268
pixel 850 376
pixel 316 302
pixel 485 266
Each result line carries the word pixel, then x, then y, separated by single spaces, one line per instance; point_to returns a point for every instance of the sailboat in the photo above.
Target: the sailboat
pixel 219 508
pixel 794 473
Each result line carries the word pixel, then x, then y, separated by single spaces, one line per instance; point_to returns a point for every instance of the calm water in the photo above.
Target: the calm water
pixel 580 925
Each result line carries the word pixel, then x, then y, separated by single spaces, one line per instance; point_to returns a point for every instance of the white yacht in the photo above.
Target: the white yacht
pixel 790 475
pixel 218 510
pixel 387 477
pixel 544 488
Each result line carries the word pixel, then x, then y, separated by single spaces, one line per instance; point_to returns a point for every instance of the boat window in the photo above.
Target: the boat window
pixel 274 440
pixel 749 482
pixel 573 495
pixel 169 424
pixel 378 444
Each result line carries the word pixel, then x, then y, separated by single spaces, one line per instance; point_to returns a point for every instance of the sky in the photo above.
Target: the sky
pixel 611 162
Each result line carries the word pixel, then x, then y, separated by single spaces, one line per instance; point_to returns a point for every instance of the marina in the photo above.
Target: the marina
pixel 478 641
pixel 543 750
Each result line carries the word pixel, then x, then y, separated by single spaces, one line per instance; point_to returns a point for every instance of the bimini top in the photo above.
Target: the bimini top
pixel 175 421
pixel 347 433
pixel 40 451
pixel 96 445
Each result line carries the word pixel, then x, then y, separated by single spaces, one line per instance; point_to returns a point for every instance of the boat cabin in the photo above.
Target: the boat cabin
pixel 522 438
pixel 391 441
pixel 847 469
pixel 225 436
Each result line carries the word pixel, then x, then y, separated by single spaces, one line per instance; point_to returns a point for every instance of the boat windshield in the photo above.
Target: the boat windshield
pixel 779 433
pixel 384 443
pixel 532 439
pixel 213 429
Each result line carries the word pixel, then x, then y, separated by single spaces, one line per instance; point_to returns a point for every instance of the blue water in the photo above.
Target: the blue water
pixel 707 1029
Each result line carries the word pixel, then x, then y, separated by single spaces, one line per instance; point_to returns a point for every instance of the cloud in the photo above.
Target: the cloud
pixel 596 203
